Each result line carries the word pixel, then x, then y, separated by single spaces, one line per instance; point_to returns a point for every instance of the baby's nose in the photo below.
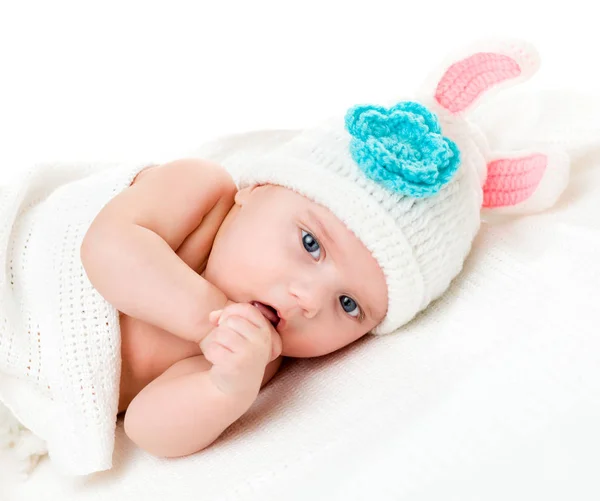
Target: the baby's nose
pixel 309 298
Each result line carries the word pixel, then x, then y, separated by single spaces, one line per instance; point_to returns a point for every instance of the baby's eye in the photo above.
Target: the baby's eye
pixel 310 244
pixel 350 306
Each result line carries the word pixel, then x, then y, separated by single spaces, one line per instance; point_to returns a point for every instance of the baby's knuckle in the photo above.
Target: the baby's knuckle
pixel 216 354
pixel 226 334
pixel 237 308
pixel 250 311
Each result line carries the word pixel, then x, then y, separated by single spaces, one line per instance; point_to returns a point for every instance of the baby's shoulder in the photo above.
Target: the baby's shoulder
pixel 190 170
pixel 173 200
pixel 190 198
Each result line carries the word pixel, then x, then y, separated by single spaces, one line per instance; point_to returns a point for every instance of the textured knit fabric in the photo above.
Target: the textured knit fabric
pixel 409 179
pixel 492 394
pixel 59 339
pixel 402 148
pixel 420 237
pixel 419 243
pixel 418 216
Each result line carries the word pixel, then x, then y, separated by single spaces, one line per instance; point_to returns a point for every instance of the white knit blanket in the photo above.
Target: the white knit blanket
pixel 59 339
pixel 492 394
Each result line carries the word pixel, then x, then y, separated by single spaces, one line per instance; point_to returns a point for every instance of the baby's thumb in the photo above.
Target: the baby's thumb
pixel 276 346
pixel 213 317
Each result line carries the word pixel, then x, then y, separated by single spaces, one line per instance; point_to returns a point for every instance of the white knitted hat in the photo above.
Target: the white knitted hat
pixel 410 180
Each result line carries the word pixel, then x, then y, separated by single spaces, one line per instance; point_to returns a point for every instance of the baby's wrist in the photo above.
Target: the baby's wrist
pixel 200 307
pixel 244 394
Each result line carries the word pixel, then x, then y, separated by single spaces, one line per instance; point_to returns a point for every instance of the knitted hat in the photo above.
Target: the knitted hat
pixel 410 179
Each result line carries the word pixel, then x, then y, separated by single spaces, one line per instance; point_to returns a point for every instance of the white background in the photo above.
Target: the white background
pixel 150 80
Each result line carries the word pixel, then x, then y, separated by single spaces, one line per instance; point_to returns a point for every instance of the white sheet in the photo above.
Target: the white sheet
pixel 493 393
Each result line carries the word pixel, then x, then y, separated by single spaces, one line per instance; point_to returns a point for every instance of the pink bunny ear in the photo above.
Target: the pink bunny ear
pixel 525 182
pixel 486 66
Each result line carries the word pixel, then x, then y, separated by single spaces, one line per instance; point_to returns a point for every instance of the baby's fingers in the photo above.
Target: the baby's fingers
pixel 216 353
pixel 221 342
pixel 276 345
pixel 245 310
pixel 214 316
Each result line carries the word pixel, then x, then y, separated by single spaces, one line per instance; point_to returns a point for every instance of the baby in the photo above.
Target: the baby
pixel 172 292
pixel 286 277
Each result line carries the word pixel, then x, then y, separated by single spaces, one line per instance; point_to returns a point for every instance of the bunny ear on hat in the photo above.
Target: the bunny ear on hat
pixel 477 72
pixel 515 182
pixel 527 181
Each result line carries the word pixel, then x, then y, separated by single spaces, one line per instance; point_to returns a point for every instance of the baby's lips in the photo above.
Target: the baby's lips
pixel 267 312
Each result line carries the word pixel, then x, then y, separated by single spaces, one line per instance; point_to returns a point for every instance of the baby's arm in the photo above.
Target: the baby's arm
pixel 129 251
pixel 183 411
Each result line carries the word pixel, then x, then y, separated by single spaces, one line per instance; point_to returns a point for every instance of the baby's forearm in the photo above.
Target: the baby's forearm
pixel 140 275
pixel 182 415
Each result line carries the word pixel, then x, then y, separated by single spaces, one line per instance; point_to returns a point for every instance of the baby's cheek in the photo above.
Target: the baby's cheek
pixel 309 342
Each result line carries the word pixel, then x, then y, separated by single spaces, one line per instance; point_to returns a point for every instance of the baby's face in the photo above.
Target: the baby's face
pixel 281 249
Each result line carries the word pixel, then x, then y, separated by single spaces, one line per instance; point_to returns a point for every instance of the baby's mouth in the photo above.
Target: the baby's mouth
pixel 268 312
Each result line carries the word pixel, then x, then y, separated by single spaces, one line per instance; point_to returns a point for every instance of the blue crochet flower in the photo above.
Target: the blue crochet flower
pixel 402 148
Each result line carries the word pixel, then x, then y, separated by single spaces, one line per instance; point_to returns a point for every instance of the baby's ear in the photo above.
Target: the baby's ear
pixel 480 70
pixel 525 182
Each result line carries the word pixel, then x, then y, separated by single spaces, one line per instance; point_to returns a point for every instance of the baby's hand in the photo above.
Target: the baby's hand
pixel 239 347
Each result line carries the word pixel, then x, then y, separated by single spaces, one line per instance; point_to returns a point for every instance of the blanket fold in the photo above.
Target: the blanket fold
pixel 59 339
